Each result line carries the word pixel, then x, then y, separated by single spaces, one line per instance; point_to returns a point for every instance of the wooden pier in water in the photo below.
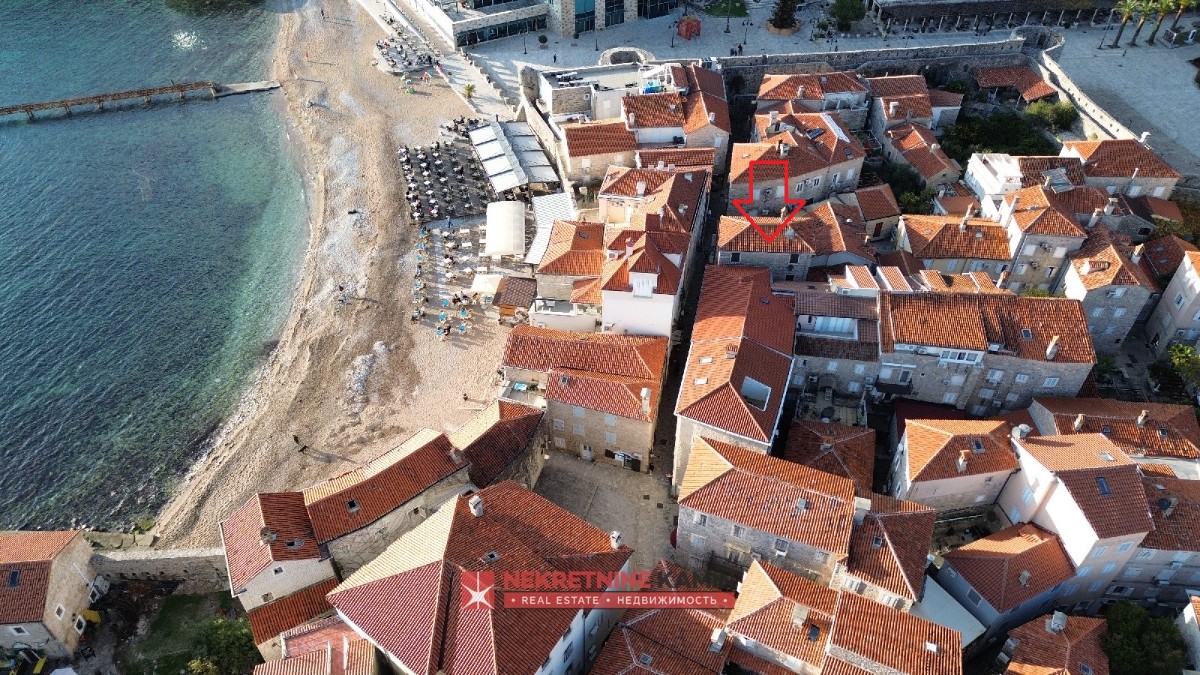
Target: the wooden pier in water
pixel 179 92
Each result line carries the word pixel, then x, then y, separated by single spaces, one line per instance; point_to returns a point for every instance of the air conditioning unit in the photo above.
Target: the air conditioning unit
pixel 870 380
pixel 780 554
pixel 1045 246
pixel 1163 582
pixel 1002 658
pixel 1175 564
pixel 1034 265
pixel 943 364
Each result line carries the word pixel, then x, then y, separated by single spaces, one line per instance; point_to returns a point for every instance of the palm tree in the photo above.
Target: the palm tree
pixel 1144 9
pixel 1127 8
pixel 469 90
pixel 1162 8
pixel 1181 6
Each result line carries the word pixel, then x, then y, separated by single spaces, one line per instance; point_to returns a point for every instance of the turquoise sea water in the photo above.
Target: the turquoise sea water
pixel 147 255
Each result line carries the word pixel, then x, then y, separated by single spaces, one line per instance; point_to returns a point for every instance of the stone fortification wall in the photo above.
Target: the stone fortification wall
pixel 201 570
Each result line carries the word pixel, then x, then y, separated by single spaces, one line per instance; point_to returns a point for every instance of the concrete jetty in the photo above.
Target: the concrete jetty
pixel 176 91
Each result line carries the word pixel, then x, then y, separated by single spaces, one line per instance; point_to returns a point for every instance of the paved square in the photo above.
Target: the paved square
pixel 611 498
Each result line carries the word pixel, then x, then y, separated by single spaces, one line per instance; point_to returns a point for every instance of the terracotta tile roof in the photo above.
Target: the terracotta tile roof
pixel 680 158
pixel 653 110
pixel 909 91
pixel 1157 207
pixel 890 548
pixel 903 260
pixel 541 349
pixel 877 202
pixel 971 282
pixel 515 292
pixel 1022 78
pixel 1119 159
pixel 1156 469
pixel 670 199
pixel 598 138
pixel 893 279
pixel 976 321
pixel 1041 211
pixel 496 437
pixel 409 600
pixel 772 495
pixel 576 249
pixel 1165 254
pixel 380 486
pixel 1169 431
pixel 836 666
pixel 825 303
pixel 922 150
pixel 1013 565
pixel 273 618
pixel 280 515
pixel 703 79
pixel 769 605
pixel 1034 167
pixel 1080 462
pixel 834 448
pixel 1174 505
pixel 897 85
pixel 734 233
pixel 637 251
pixel 31 555
pixel 940 98
pixel 701 110
pixel 894 639
pixel 742 332
pixel 956 206
pixel 814 142
pixel 1104 262
pixel 934 237
pixel 613 394
pixel 349 653
pixel 1041 651
pixel 312 663
pixel 809 86
pixel 935 446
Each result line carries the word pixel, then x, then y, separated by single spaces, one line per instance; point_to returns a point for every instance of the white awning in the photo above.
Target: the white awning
pixel 512 155
pixel 486 283
pixel 546 210
pixel 482 135
pixel 941 608
pixel 505 228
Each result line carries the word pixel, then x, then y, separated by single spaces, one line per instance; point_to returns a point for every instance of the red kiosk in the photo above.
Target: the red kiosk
pixel 689 27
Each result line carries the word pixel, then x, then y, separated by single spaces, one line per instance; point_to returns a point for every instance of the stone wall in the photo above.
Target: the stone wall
pixel 202 570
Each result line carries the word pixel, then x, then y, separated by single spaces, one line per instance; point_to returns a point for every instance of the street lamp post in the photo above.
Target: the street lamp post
pixel 1104 34
pixel 746 37
pixel 524 44
pixel 673 25
pixel 727 16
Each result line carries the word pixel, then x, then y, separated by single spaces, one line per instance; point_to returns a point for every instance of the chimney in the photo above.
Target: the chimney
pixel 783 211
pixel 717 642
pixel 1052 348
pixel 1095 218
pixel 266 536
pixel 1013 209
pixel 641 188
pixel 712 117
pixel 476 504
pixel 1141 421
pixel 1024 577
pixel 688 176
pixel 962 224
pixel 861 506
pixel 456 456
pixel 1145 135
pixel 934 147
pixel 1111 206
pixel 783 149
pixel 731 351
pixel 632 120
pixel 645 400
pixel 893 108
pixel 614 539
pixel 962 460
pixel 629 247
pixel 1078 425
pixel 1057 623
pixel 661 165
pixel 1001 278
pixel 1021 431
pixel 1136 256
pixel 826 443
pixel 773 117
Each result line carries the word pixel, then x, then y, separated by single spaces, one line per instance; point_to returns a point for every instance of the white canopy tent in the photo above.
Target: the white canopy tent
pixel 505 229
pixel 487 284
pixel 511 155
pixel 546 210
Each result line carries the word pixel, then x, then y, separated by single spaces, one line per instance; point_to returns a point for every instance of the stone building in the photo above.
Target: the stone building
pixel 412 602
pixel 1044 226
pixel 838 449
pixel 1027 85
pixel 601 391
pixel 836 339
pixel 889 550
pixel 1084 489
pixel 917 147
pixel 879 208
pixel 1115 285
pixel 1165 255
pixel 738 365
pixel 575 254
pixel 1176 318
pixel 47 588
pixel 819 155
pixel 269 623
pixel 502 442
pixel 271 549
pixel 589 148
pixel 803 243
pixel 737 506
pixel 958 467
pixel 1007 578
pixel 983 352
pixel 1166 564
pixel 327 642
pixel 955 245
pixel 357 514
pixel 1124 165
pixel 843 93
pixel 1057 643
pixel 1138 428
pixel 992 175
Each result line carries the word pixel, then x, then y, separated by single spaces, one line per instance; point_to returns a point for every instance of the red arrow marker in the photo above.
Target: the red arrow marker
pixel 797 204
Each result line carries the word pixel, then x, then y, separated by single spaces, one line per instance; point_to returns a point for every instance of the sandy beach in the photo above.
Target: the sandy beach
pixel 349 380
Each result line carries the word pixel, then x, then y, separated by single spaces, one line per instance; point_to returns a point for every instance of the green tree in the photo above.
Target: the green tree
pixel 1162 8
pixel 1144 8
pixel 784 16
pixel 1127 8
pixel 202 667
pixel 1186 362
pixel 469 90
pixel 1139 644
pixel 1057 116
pixel 226 645
pixel 958 87
pixel 916 202
pixel 1181 6
pixel 1035 293
pixel 846 12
